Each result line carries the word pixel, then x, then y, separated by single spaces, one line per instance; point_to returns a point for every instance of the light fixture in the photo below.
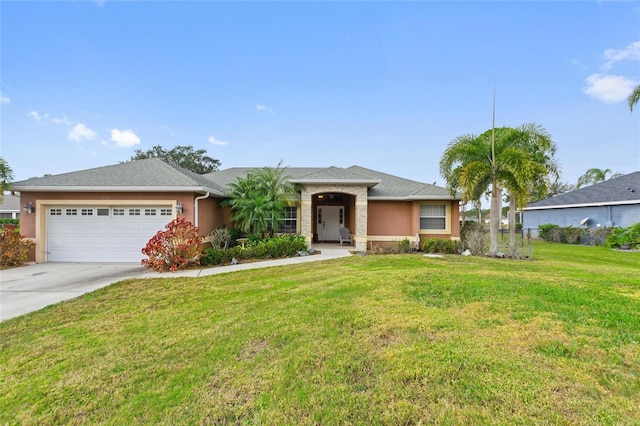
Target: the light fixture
pixel 320 197
pixel 179 208
pixel 28 208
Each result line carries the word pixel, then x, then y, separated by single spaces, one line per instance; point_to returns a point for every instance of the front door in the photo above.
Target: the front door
pixel 329 220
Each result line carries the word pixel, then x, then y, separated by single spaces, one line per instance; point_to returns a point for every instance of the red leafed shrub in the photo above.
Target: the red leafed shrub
pixel 13 247
pixel 175 248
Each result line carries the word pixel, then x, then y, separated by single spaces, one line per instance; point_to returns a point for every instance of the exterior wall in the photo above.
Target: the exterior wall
pixel 605 216
pixel 33 225
pixel 396 220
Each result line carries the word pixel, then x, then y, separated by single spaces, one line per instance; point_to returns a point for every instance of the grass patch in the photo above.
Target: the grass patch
pixel 398 339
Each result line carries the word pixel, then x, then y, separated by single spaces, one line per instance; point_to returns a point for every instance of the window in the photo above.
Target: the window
pixel 165 212
pixel 433 216
pixel 149 212
pixel 118 212
pixel 134 212
pixel 103 212
pixel 289 223
pixel 55 212
pixel 87 212
pixel 72 212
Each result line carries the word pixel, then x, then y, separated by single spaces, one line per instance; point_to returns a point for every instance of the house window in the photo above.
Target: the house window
pixel 149 212
pixel 134 212
pixel 87 212
pixel 289 223
pixel 118 212
pixel 72 212
pixel 433 216
pixel 165 212
pixel 56 212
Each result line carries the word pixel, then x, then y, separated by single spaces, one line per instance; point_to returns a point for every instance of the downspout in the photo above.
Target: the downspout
pixel 195 207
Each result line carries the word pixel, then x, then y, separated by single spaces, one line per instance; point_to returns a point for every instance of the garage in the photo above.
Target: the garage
pixel 102 233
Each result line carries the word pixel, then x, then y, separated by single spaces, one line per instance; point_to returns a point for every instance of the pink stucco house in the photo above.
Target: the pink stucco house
pixel 107 214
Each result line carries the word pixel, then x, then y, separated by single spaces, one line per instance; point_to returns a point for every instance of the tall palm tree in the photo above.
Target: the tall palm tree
pixel 497 159
pixel 634 97
pixel 6 177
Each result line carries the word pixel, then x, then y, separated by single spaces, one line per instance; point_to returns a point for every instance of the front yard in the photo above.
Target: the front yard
pixel 398 339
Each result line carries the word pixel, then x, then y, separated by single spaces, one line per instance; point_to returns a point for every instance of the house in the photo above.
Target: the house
pixel 615 202
pixel 10 207
pixel 108 214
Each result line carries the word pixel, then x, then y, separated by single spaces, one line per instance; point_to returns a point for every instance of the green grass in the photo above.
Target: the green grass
pixel 398 339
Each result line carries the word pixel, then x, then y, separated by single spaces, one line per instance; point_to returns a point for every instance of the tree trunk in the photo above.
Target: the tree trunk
pixel 513 245
pixel 494 225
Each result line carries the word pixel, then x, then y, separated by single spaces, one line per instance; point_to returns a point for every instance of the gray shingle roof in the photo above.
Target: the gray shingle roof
pixel 621 190
pixel 156 175
pixel 10 202
pixel 150 174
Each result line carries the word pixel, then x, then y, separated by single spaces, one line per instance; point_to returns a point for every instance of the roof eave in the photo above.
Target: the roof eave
pixel 413 198
pixel 116 189
pixel 350 182
pixel 597 204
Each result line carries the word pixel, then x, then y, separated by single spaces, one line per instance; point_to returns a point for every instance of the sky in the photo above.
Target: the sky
pixel 382 85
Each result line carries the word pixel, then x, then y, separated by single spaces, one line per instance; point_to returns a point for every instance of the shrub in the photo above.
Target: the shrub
pixel 14 248
pixel 622 236
pixel 175 248
pixel 548 232
pixel 571 234
pixel 403 246
pixel 438 245
pixel 7 220
pixel 269 248
pixel 220 238
pixel 473 236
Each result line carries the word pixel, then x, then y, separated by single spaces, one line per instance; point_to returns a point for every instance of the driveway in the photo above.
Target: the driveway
pixel 32 287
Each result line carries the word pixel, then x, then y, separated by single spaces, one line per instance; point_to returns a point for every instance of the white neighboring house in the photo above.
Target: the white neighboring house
pixel 10 207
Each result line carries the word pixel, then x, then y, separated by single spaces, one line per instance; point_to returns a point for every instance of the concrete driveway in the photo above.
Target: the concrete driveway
pixel 32 287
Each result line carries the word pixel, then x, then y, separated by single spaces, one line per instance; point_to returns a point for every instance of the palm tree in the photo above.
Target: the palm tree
pixel 634 97
pixel 258 201
pixel 593 176
pixel 6 177
pixel 497 159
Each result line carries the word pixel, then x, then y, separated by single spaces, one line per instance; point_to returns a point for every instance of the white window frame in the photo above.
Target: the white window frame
pixel 446 217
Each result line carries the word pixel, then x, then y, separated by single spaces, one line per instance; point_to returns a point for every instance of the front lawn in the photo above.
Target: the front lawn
pixel 398 339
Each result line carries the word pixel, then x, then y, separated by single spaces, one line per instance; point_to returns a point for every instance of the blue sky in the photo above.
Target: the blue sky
pixel 384 85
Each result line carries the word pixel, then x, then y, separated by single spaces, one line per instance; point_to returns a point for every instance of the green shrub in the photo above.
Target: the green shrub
pixel 622 236
pixel 438 245
pixel 7 220
pixel 269 248
pixel 548 232
pixel 14 248
pixel 403 246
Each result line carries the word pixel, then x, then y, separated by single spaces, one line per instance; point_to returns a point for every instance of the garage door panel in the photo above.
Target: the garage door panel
pixel 114 234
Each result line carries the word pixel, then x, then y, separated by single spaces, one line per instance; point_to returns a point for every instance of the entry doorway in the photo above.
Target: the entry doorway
pixel 329 220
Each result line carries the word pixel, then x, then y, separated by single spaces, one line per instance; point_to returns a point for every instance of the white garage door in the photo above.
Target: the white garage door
pixel 102 234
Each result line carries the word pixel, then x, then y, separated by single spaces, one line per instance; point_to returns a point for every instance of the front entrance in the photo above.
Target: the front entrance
pixel 329 221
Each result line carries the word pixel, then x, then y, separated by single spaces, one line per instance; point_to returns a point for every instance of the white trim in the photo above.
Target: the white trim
pixel 415 198
pixel 118 189
pixel 600 204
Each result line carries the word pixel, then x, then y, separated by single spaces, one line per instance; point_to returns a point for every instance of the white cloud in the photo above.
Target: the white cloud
pixel 261 107
pixel 608 88
pixel 37 116
pixel 631 53
pixel 62 120
pixel 4 99
pixel 81 132
pixel 215 141
pixel 124 138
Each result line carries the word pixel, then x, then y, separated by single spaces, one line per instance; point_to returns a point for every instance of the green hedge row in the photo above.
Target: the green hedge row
pixel 271 248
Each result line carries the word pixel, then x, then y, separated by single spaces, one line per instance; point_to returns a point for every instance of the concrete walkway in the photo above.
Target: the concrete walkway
pixel 33 287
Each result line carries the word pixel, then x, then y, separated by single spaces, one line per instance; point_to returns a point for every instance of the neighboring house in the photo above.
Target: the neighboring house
pixel 109 213
pixel 10 207
pixel 615 202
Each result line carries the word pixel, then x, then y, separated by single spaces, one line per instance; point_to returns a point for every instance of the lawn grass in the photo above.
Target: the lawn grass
pixel 397 339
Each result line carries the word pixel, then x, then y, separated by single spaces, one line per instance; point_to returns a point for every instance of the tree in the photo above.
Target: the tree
pixel 497 159
pixel 556 187
pixel 634 97
pixel 6 177
pixel 258 201
pixel 184 156
pixel 595 175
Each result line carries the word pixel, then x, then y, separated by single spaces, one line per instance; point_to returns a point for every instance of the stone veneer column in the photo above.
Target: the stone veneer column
pixel 306 215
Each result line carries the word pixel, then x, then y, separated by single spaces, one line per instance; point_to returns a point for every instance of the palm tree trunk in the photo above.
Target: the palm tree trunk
pixel 513 245
pixel 494 225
